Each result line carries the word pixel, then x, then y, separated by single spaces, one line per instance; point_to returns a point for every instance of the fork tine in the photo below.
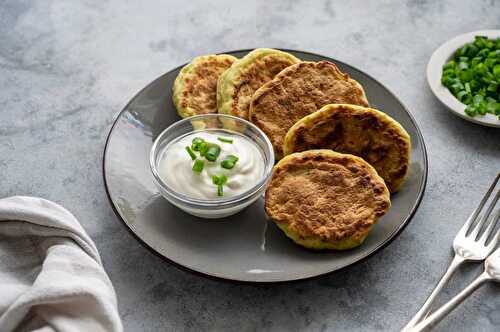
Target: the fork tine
pixel 486 215
pixel 466 228
pixel 494 239
pixel 487 232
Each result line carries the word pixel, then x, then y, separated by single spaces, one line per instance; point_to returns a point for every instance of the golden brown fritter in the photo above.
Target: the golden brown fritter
pixel 195 88
pixel 326 200
pixel 297 91
pixel 361 131
pixel 237 85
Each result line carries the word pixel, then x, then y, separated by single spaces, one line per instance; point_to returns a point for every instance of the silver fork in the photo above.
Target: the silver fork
pixel 491 273
pixel 467 247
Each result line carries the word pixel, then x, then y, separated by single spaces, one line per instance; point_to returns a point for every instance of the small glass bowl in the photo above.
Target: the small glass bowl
pixel 212 208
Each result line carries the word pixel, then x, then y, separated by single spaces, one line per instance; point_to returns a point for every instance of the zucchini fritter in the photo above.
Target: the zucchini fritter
pixel 195 88
pixel 365 132
pixel 322 199
pixel 297 91
pixel 237 85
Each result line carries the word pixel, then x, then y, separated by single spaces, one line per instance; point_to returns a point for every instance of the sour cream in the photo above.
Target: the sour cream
pixel 175 166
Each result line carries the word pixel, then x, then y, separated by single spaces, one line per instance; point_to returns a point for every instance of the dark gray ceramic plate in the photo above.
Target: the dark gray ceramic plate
pixel 244 247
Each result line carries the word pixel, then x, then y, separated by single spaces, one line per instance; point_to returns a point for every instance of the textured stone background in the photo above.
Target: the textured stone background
pixel 68 67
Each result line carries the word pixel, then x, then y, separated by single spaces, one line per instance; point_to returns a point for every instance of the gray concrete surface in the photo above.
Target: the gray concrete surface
pixel 68 67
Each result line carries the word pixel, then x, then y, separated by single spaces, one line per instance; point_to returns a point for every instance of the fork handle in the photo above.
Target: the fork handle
pixel 436 317
pixel 426 307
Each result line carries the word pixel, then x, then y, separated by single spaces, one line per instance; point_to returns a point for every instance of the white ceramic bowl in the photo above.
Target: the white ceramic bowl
pixel 435 68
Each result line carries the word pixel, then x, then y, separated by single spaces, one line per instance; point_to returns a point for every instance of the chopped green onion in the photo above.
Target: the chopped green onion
pixel 229 161
pixel 493 107
pixel 196 143
pixel 225 140
pixel 478 99
pixel 472 50
pixel 467 87
pixel 219 180
pixel 496 71
pixel 483 52
pixel 461 95
pixel 463 65
pixel 203 147
pixel 213 152
pixel 473 76
pixel 198 140
pixel 489 62
pixel 227 164
pixel 476 61
pixel 191 153
pixel 198 166
pixel 470 110
pixel 466 75
pixel 492 87
pixel 449 65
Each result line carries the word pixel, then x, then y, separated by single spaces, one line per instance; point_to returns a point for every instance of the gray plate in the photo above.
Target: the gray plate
pixel 244 247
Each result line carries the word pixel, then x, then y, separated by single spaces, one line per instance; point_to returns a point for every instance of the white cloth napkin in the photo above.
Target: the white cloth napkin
pixel 51 275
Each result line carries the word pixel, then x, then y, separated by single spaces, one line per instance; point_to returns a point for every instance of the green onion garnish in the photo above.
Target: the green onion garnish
pixel 191 153
pixel 219 181
pixel 198 166
pixel 202 148
pixel 229 161
pixel 197 141
pixel 473 76
pixel 225 140
pixel 213 152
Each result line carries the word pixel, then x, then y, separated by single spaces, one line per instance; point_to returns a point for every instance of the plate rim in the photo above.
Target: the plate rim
pixel 377 248
pixel 433 73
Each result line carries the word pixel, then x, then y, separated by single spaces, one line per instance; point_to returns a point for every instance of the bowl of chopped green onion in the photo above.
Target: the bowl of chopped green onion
pixel 464 74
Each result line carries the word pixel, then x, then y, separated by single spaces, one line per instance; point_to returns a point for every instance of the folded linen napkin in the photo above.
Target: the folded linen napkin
pixel 51 275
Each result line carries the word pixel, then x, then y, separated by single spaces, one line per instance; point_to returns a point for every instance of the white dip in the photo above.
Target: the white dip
pixel 175 166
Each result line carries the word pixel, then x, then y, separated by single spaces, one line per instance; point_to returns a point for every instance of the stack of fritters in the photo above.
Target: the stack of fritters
pixel 341 158
pixel 222 83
